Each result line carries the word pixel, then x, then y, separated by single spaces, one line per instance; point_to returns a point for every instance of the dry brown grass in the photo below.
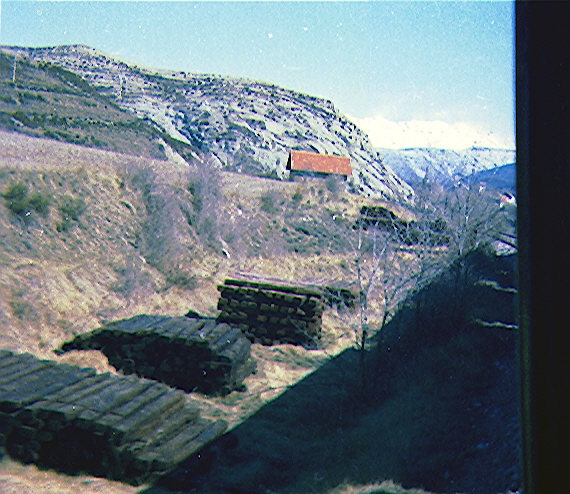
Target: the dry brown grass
pixel 21 479
pixel 386 487
pixel 55 284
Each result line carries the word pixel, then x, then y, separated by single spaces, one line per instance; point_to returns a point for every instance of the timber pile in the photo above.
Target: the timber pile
pixel 188 353
pixel 336 296
pixel 270 313
pixel 74 420
pixel 433 233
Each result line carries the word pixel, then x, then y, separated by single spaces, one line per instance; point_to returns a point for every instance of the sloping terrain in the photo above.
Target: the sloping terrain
pixel 47 101
pixel 248 126
pixel 502 178
pixel 101 266
pixel 434 404
pixel 443 165
pixel 90 236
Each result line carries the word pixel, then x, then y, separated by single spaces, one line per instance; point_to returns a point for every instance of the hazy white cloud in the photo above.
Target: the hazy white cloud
pixel 384 133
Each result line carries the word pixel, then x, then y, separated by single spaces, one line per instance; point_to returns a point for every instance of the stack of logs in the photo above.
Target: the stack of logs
pixel 189 353
pixel 74 420
pixel 271 313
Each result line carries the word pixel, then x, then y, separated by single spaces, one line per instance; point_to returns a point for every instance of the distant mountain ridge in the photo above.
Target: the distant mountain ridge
pixel 502 178
pixel 444 165
pixel 246 126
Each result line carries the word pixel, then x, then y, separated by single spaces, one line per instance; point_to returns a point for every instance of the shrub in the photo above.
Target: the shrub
pixel 72 207
pixel 63 225
pixel 16 191
pixel 23 118
pixel 181 280
pixel 297 196
pixel 39 202
pixel 268 203
pixel 21 204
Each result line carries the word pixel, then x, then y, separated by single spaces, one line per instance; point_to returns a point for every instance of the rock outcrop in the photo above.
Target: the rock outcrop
pixel 247 126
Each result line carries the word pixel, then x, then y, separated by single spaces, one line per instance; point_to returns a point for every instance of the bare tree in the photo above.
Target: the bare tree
pixel 472 215
pixel 204 183
pixel 394 258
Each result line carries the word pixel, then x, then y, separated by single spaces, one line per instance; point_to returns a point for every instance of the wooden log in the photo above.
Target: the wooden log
pixel 173 426
pixel 23 371
pixel 137 323
pixel 32 387
pixel 248 306
pixel 7 357
pixel 135 425
pixel 224 342
pixel 153 392
pixel 111 395
pixel 9 363
pixel 277 286
pixel 116 423
pixel 167 351
pixel 190 438
pixel 83 388
pixel 172 327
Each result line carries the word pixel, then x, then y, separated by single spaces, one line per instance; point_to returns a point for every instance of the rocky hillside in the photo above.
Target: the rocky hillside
pixel 50 102
pixel 444 165
pixel 247 126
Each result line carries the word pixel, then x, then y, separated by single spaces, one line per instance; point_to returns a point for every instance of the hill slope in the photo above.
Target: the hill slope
pixel 48 101
pixel 502 178
pixel 443 165
pixel 247 126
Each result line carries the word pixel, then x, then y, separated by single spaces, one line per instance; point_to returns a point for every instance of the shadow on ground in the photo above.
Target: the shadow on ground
pixel 434 404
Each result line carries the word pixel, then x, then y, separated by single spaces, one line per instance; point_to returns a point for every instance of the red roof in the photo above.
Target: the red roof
pixel 321 163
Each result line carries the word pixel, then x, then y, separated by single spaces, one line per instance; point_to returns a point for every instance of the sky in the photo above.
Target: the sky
pixel 409 73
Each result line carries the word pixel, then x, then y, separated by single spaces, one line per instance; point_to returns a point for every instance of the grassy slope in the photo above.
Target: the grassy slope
pixel 63 275
pixel 54 284
pixel 47 101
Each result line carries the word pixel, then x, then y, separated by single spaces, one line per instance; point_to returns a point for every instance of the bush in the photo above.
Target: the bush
pixel 39 202
pixel 72 207
pixel 268 203
pixel 297 196
pixel 181 280
pixel 23 118
pixel 17 191
pixel 21 204
pixel 62 226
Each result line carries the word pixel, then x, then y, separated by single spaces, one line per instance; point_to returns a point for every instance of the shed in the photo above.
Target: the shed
pixel 304 163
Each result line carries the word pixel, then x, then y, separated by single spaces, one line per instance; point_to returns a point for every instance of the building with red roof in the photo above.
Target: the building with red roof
pixel 304 163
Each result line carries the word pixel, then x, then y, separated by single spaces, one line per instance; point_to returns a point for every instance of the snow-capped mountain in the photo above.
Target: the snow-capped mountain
pixel 444 165
pixel 247 126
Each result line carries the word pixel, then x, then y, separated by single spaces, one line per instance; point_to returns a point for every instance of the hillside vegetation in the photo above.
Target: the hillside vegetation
pixel 44 100
pixel 88 236
pixel 247 126
pixel 104 216
pixel 118 235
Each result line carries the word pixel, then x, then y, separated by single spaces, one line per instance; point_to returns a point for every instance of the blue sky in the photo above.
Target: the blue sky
pixel 393 67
